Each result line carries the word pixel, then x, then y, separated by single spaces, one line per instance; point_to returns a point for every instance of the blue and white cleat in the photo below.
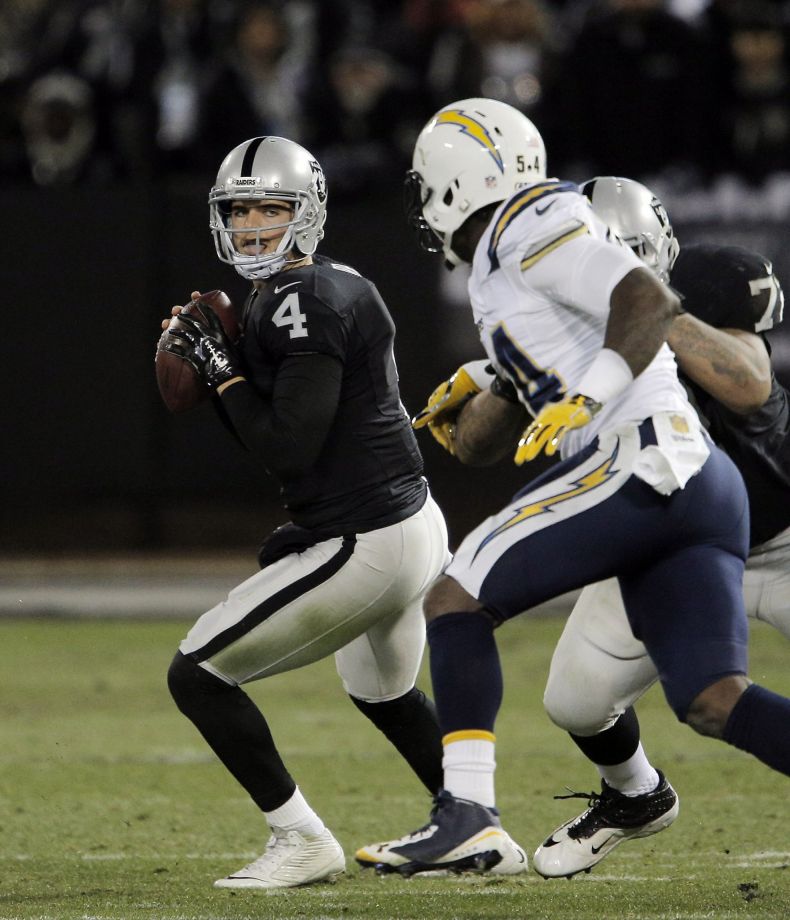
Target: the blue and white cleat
pixel 461 836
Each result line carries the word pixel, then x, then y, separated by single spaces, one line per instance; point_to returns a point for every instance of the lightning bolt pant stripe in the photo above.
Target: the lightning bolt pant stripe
pixel 590 518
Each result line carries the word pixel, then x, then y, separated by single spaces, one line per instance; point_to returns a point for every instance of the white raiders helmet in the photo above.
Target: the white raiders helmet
pixel 471 154
pixel 634 214
pixel 276 168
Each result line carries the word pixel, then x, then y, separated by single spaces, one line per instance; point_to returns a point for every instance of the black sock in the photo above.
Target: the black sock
pixel 760 724
pixel 410 723
pixel 235 729
pixel 613 745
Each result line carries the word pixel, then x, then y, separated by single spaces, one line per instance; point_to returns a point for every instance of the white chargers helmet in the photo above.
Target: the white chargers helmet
pixel 471 154
pixel 634 214
pixel 275 168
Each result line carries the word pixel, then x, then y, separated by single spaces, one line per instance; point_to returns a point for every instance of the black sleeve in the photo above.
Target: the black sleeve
pixel 288 433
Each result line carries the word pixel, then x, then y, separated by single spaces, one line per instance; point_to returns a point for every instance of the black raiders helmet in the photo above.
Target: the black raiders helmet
pixel 728 287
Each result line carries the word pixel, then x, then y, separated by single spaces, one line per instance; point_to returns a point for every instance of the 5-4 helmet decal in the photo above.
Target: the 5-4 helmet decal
pixel 635 215
pixel 274 168
pixel 471 154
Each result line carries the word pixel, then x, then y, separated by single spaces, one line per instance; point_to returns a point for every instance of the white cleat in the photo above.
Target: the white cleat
pixel 612 817
pixel 291 859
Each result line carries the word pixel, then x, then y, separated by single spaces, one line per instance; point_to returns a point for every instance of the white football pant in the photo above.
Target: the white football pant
pixel 366 609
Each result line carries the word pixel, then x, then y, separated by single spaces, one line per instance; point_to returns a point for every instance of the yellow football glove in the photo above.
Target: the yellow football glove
pixel 552 423
pixel 449 397
pixel 444 433
pixel 443 407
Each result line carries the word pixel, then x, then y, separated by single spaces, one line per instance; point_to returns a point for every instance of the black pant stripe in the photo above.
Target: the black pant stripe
pixel 274 603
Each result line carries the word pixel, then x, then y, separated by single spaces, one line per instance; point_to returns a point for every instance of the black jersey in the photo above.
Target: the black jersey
pixel 759 444
pixel 732 287
pixel 368 473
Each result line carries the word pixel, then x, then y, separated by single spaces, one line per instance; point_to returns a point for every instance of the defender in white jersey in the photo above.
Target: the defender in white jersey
pixel 731 298
pixel 575 326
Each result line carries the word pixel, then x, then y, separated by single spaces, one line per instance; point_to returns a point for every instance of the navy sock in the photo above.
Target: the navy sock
pixel 760 725
pixel 465 670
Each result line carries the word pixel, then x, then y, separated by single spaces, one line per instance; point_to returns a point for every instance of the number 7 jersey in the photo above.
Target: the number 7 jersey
pixel 541 282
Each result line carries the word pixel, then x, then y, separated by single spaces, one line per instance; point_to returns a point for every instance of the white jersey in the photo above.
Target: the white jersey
pixel 542 278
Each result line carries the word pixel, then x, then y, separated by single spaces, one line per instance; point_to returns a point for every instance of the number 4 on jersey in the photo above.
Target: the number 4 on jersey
pixel 289 314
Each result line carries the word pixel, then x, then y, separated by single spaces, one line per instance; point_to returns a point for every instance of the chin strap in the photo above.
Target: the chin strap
pixel 261 273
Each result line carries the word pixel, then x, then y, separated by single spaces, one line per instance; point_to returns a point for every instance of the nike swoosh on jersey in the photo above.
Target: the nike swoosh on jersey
pixel 290 284
pixel 520 202
pixel 545 208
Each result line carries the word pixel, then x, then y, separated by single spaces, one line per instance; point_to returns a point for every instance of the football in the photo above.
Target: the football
pixel 179 384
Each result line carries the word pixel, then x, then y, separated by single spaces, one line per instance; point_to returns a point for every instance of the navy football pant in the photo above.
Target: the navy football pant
pixel 679 560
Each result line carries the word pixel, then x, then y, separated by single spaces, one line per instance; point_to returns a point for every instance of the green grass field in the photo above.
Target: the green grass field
pixel 111 806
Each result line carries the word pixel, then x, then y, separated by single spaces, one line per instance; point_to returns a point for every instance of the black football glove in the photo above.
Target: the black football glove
pixel 206 348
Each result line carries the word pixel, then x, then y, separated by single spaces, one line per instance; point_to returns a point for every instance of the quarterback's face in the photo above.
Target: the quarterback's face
pixel 258 226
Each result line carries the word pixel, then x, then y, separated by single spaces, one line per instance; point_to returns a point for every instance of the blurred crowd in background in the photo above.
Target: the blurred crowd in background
pixel 138 101
pixel 133 90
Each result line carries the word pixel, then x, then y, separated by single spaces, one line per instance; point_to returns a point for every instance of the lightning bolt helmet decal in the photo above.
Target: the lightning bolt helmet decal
pixel 472 128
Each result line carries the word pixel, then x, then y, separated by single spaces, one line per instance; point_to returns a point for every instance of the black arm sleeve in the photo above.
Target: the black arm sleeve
pixel 288 433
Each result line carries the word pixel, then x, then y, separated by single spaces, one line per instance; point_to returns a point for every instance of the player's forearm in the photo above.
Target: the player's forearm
pixel 642 312
pixel 732 365
pixel 288 432
pixel 275 446
pixel 487 429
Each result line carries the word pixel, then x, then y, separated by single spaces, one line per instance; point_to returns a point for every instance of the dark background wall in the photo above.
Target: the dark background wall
pixel 91 460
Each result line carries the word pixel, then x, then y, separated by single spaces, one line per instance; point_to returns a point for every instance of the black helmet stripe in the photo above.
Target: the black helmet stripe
pixel 249 155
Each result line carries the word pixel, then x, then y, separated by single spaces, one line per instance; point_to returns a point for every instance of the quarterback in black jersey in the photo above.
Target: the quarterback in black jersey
pixel 312 391
pixel 327 329
pixel 731 299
